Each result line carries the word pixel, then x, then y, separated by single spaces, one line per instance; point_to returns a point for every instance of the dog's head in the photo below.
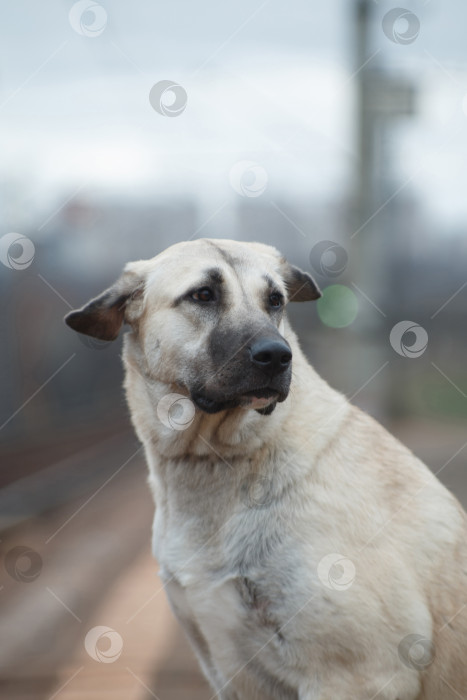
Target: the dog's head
pixel 207 316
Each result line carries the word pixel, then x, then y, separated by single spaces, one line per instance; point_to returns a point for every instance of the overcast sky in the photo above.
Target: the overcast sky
pixel 268 82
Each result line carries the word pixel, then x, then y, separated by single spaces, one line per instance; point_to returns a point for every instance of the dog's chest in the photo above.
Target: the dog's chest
pixel 246 588
pixel 233 594
pixel 235 626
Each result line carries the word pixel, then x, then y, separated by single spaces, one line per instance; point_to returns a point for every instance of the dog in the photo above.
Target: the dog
pixel 306 552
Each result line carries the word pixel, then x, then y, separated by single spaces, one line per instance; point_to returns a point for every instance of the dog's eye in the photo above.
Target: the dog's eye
pixel 204 294
pixel 275 300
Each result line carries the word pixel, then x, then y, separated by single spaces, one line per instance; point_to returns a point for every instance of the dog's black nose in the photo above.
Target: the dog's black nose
pixel 271 355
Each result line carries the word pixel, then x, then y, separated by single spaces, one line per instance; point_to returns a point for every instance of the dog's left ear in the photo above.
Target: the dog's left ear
pixel 300 285
pixel 103 316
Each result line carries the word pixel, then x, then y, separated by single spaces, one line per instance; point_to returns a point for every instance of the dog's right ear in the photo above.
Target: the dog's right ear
pixel 103 316
pixel 300 285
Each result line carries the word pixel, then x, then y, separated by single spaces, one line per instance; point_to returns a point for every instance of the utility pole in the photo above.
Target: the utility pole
pixel 382 98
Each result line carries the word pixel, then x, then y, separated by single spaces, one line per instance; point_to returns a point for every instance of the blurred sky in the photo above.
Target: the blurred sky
pixel 266 81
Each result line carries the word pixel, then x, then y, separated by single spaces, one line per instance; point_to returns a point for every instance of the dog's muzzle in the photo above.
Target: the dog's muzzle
pixel 258 378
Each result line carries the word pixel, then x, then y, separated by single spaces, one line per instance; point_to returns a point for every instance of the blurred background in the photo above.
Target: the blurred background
pixel 336 132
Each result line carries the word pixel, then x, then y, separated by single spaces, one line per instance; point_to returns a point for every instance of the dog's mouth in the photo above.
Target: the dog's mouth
pixel 258 398
pixel 262 399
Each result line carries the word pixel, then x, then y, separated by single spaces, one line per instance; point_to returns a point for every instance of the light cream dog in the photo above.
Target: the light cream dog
pixel 306 552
